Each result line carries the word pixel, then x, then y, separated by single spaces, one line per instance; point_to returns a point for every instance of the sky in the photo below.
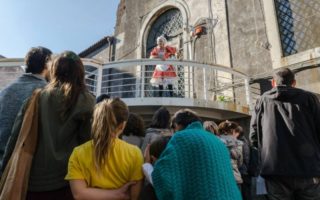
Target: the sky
pixel 56 24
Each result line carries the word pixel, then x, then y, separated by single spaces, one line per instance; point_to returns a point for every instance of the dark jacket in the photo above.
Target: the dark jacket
pixel 245 154
pixel 287 122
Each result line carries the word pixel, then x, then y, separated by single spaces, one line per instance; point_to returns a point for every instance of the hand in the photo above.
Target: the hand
pixel 179 55
pixel 124 190
pixel 147 158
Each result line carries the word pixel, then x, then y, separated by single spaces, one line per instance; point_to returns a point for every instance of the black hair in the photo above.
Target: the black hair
pixel 134 126
pixel 159 145
pixel 36 59
pixel 283 76
pixel 184 117
pixel 102 97
pixel 161 118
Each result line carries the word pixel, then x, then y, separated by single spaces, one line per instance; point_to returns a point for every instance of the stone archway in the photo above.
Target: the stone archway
pixel 168 24
pixel 150 18
pixel 170 19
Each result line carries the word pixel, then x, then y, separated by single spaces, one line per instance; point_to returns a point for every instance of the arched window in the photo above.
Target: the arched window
pixel 169 24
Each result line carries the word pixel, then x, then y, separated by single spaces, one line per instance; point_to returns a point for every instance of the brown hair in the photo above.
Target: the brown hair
pixel 67 74
pixel 107 117
pixel 226 127
pixel 134 126
pixel 184 117
pixel 159 145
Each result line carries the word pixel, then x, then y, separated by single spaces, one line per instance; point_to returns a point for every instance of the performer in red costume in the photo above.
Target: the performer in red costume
pixel 163 75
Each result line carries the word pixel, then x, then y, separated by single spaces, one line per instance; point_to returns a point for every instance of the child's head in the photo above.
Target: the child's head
pixel 102 97
pixel 134 126
pixel 211 126
pixel 161 118
pixel 238 132
pixel 109 119
pixel 227 127
pixel 157 147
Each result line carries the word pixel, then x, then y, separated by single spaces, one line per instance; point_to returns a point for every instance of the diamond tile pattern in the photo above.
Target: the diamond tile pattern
pixel 299 22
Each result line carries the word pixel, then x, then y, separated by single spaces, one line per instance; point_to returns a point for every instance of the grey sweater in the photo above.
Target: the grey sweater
pixel 11 100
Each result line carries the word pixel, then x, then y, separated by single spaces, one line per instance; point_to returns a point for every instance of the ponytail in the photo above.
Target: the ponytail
pixel 107 117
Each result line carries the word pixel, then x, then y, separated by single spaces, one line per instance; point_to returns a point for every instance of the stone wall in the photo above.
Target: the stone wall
pixel 309 80
pixel 103 54
pixel 235 37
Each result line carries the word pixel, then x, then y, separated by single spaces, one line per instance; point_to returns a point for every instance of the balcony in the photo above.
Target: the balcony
pixel 213 91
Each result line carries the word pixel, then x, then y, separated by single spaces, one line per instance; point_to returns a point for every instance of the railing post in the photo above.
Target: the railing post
pixel 248 93
pixel 142 80
pixel 138 81
pixel 99 81
pixel 189 81
pixel 204 84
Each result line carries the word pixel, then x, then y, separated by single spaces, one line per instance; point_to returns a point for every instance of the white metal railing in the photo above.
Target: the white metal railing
pixel 131 79
pixel 203 81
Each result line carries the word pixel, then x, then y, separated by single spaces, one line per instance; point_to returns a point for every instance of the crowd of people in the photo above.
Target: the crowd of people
pixel 89 148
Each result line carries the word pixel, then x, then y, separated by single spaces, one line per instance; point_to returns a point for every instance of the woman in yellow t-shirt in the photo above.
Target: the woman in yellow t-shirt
pixel 98 168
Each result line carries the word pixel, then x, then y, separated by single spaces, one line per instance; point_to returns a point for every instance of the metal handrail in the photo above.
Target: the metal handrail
pixel 194 79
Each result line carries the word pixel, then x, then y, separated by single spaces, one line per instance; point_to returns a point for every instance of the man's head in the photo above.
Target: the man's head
pixel 283 76
pixel 182 118
pixel 36 60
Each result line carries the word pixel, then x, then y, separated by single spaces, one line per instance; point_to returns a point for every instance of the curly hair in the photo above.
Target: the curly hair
pixel 226 127
pixel 36 59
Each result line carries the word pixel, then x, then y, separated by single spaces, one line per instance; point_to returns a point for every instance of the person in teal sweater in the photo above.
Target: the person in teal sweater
pixel 194 165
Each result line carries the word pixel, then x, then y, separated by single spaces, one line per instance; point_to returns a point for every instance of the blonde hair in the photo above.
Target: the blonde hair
pixel 207 125
pixel 107 117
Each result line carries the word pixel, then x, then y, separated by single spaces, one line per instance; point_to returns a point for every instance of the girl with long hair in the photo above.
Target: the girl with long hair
pixel 104 164
pixel 65 109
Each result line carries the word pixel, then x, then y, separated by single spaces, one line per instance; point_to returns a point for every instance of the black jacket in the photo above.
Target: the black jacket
pixel 287 122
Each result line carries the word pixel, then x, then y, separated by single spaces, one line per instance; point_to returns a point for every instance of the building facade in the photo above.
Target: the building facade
pixel 253 37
